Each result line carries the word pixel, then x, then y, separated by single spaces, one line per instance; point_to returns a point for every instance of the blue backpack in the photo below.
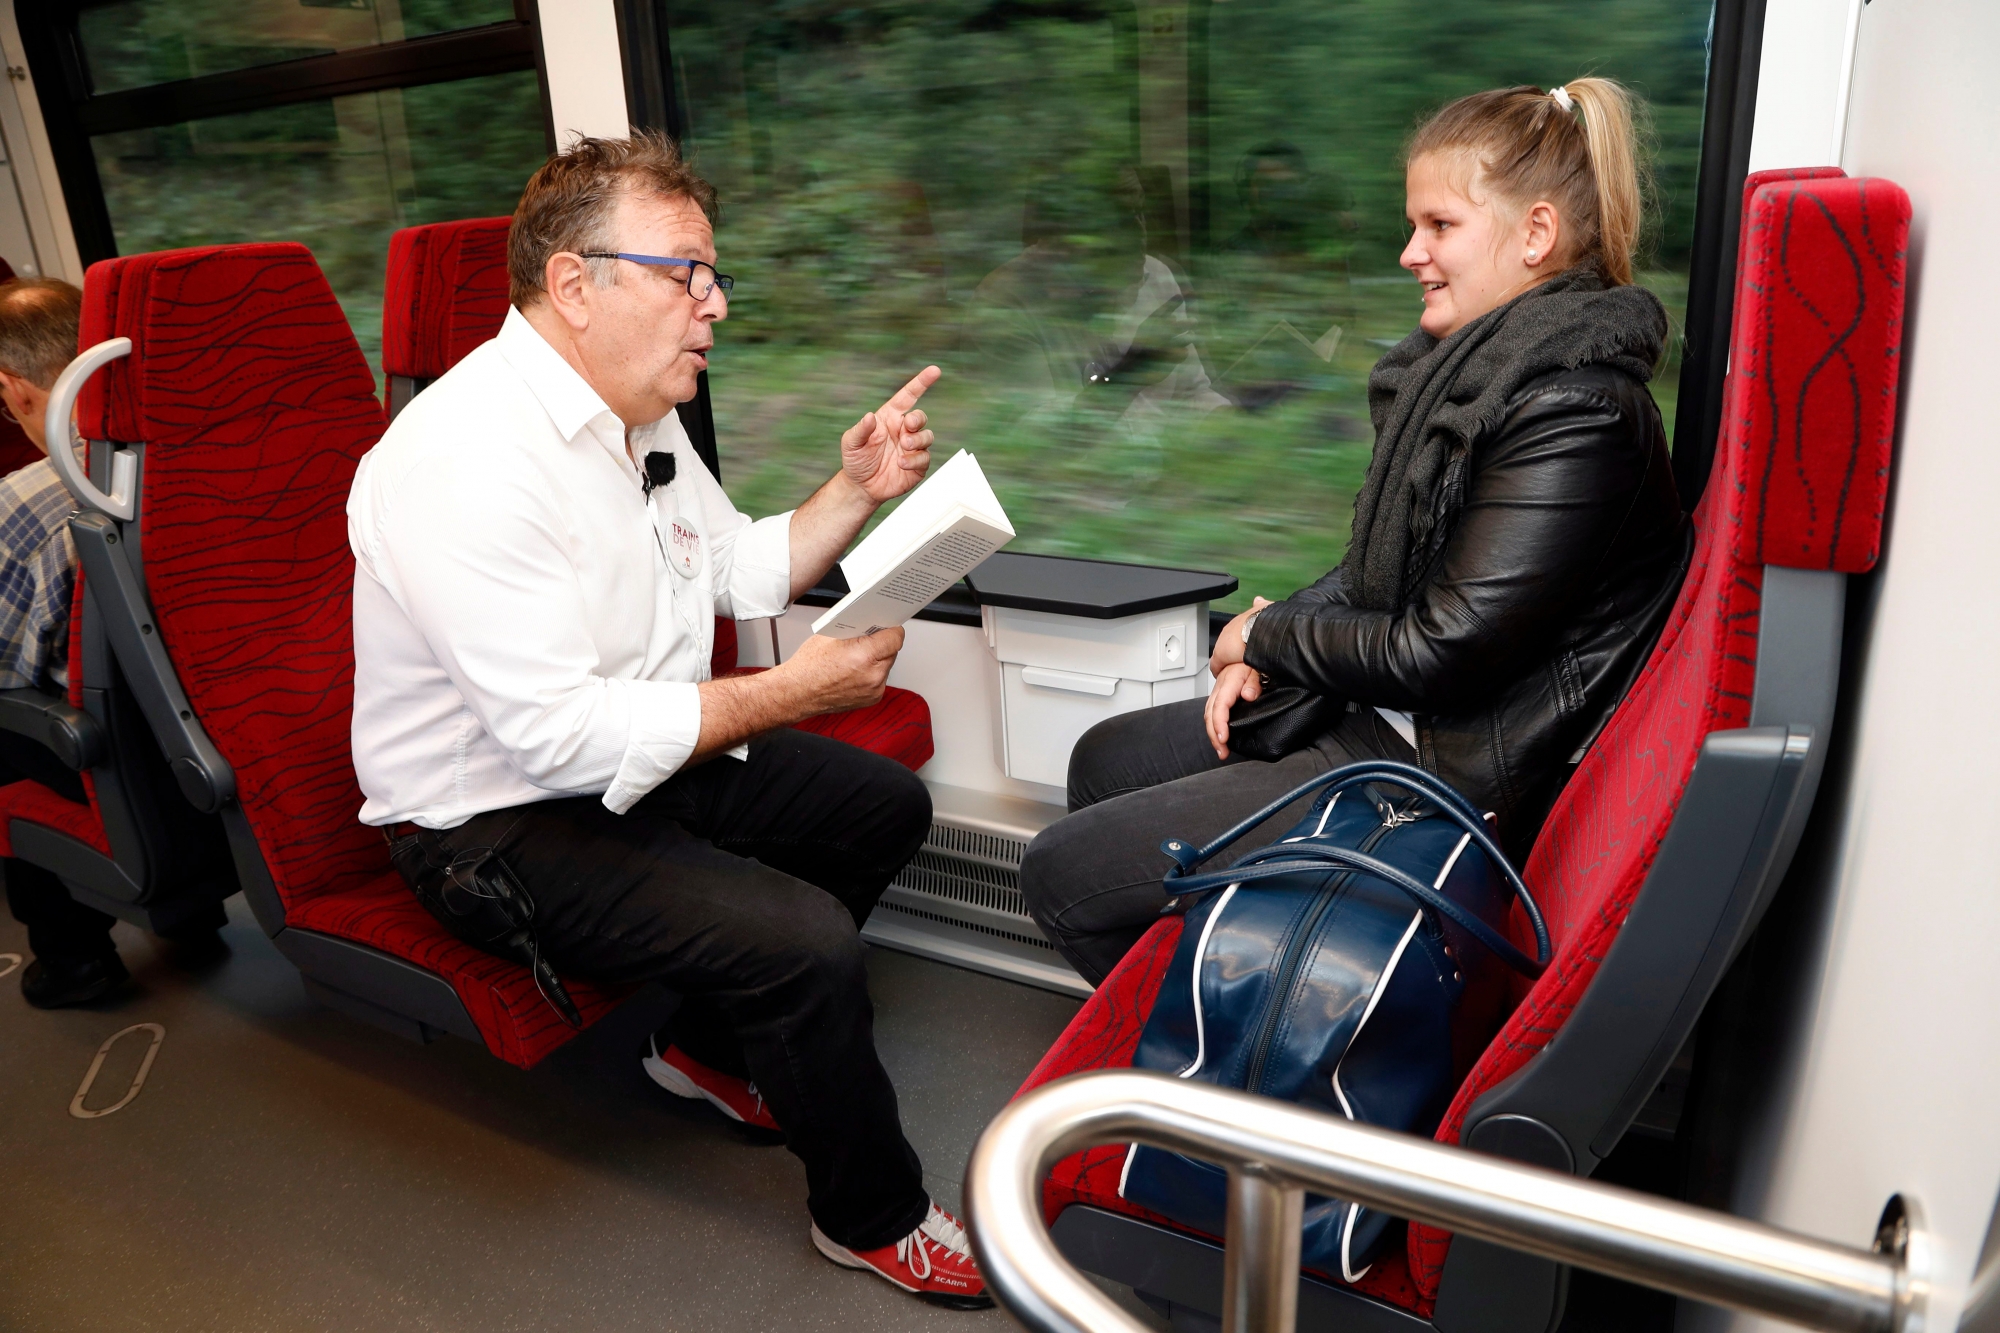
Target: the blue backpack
pixel 1335 968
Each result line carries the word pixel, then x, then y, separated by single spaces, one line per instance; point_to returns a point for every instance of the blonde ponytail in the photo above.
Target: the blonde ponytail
pixel 1576 146
pixel 1612 144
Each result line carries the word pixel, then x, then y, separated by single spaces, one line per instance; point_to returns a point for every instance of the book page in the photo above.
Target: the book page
pixel 958 483
pixel 941 558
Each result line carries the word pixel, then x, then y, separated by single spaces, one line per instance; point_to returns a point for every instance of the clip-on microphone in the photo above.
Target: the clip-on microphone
pixel 659 472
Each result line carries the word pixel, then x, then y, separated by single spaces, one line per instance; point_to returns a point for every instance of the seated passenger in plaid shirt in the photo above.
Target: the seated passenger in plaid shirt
pixel 75 961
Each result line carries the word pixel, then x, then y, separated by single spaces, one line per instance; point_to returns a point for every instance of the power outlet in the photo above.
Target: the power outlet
pixel 1172 651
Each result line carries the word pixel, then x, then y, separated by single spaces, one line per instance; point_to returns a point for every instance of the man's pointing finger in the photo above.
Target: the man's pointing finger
pixel 906 397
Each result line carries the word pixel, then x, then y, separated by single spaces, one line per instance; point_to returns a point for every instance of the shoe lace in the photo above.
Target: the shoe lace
pixel 910 1253
pixel 940 1229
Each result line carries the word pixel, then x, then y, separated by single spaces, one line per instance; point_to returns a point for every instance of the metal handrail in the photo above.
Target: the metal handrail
pixel 1275 1151
pixel 123 502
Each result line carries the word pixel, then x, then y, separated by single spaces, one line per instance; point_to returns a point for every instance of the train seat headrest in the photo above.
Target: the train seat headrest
pixel 231 346
pixel 1811 394
pixel 446 293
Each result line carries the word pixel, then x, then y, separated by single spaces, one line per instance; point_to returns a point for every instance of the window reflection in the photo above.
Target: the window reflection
pixel 337 175
pixel 133 43
pixel 1153 244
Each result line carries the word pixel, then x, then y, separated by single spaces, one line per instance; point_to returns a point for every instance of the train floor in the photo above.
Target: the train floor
pixel 287 1168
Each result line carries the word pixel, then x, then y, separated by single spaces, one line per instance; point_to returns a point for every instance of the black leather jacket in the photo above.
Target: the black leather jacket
pixel 1543 602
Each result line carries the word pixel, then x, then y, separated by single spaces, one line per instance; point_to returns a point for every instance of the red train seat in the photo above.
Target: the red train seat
pixel 134 847
pixel 253 405
pixel 446 293
pixel 28 713
pixel 1666 844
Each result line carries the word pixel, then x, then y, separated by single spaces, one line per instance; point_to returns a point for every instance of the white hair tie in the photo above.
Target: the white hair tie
pixel 1562 98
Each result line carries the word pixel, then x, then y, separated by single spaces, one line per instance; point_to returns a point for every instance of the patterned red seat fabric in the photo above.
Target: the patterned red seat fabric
pixel 37 804
pixel 898 727
pixel 255 404
pixel 1799 480
pixel 446 293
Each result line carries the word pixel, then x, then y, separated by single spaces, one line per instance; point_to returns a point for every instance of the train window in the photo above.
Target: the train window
pixel 327 122
pixel 139 42
pixel 1153 244
pixel 337 175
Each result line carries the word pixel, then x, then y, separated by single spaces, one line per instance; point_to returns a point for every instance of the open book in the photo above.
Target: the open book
pixel 940 531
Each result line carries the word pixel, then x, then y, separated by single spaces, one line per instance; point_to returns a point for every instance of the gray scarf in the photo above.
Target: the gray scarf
pixel 1432 400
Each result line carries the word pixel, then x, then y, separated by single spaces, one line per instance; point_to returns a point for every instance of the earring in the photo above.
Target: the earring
pixel 1533 258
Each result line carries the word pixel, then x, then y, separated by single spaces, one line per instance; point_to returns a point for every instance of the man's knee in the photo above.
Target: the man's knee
pixel 819 945
pixel 902 806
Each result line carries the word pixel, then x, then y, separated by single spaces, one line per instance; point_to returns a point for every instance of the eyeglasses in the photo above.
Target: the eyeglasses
pixel 697 288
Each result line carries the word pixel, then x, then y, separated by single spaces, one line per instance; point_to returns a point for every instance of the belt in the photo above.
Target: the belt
pixel 393 832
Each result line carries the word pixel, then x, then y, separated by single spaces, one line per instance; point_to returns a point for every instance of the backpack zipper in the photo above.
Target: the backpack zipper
pixel 1288 966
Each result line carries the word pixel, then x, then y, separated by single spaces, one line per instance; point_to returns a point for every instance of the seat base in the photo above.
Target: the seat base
pixel 1184 1273
pixel 396 1024
pixel 68 839
pixel 165 919
pixel 897 726
pixel 377 987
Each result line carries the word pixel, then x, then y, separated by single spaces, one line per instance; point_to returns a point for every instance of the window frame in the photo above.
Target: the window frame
pixel 75 115
pixel 652 102
pixel 1729 111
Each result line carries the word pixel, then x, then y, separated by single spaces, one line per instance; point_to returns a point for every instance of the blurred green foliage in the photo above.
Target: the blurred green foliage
pixel 133 43
pixel 337 176
pixel 1202 199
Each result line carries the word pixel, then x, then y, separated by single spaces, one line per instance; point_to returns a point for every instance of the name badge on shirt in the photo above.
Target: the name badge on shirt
pixel 684 545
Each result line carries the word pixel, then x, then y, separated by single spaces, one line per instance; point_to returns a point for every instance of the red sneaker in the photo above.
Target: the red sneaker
pixel 934 1261
pixel 684 1076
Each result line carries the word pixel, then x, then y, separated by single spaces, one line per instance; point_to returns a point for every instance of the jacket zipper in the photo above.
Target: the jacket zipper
pixel 1288 966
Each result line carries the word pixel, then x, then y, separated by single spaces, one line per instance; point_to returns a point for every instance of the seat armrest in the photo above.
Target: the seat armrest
pixel 205 777
pixel 50 720
pixel 1732 838
pixel 1738 821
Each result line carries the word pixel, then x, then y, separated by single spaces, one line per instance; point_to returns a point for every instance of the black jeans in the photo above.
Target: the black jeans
pixel 60 929
pixel 1092 880
pixel 742 885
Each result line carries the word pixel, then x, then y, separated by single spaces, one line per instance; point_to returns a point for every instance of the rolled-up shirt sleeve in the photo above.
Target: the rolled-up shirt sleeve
pixel 487 577
pixel 754 575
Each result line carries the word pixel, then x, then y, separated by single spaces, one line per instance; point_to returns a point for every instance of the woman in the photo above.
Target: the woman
pixel 1516 546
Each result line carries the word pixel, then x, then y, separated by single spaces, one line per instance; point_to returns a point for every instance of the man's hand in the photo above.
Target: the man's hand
pixel 1231 683
pixel 823 676
pixel 888 451
pixel 885 454
pixel 834 675
pixel 1229 643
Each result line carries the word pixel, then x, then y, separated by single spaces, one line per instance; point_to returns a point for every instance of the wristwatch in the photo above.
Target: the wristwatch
pixel 1248 624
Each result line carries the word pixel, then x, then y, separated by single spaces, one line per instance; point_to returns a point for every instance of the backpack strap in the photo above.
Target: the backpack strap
pixel 1181 879
pixel 1289 860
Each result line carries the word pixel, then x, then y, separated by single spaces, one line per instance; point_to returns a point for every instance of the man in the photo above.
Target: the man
pixel 75 961
pixel 541 555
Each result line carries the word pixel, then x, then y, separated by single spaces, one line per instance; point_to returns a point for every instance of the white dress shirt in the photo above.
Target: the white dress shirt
pixel 528 624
